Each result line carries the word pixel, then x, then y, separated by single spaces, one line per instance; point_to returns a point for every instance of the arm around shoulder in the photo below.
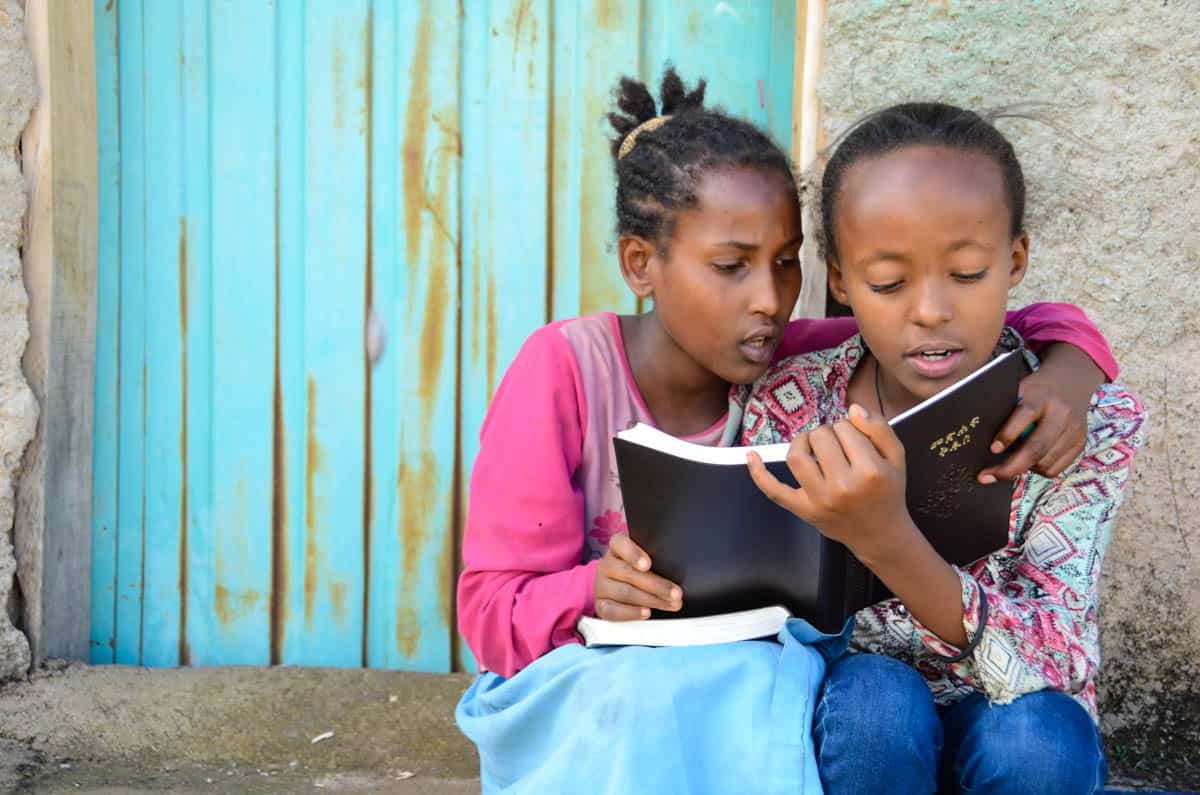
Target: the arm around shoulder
pixel 1043 324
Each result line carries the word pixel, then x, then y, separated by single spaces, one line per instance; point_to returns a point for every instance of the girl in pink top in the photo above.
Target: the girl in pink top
pixel 709 228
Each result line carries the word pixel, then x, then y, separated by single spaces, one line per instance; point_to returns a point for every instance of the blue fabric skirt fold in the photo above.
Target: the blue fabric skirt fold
pixel 726 718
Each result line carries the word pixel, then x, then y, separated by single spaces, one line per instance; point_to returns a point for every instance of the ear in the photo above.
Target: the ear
pixel 1020 259
pixel 637 256
pixel 837 283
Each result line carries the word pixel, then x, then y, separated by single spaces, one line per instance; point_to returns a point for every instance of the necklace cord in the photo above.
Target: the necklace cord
pixel 878 391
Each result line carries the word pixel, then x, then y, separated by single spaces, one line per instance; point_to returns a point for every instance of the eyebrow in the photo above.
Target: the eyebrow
pixel 900 256
pixel 965 243
pixel 751 246
pixel 876 256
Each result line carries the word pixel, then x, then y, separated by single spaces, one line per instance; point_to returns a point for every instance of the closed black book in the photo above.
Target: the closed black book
pixel 707 527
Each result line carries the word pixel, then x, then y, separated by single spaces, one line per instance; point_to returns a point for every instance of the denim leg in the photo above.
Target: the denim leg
pixel 876 728
pixel 1043 742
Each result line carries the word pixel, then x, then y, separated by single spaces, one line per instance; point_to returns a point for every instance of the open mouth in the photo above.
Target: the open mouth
pixel 935 361
pixel 759 348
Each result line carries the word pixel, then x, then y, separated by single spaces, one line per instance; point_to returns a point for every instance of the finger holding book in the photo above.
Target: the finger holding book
pixel 860 503
pixel 851 480
pixel 1049 424
pixel 626 589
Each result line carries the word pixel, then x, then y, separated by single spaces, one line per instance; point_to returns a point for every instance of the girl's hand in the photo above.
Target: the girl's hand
pixel 851 477
pixel 1057 398
pixel 626 589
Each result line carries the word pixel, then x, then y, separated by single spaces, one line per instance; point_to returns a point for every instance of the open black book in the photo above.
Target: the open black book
pixel 707 527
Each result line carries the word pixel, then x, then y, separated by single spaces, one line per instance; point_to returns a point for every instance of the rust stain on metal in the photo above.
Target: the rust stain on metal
pixel 339 90
pixel 526 48
pixel 606 16
pixel 477 307
pixel 368 391
pixel 184 652
pixel 433 336
pixel 183 262
pixel 229 605
pixel 492 331
pixel 598 289
pixel 447 577
pixel 416 121
pixel 408 630
pixel 279 572
pixel 518 24
pixel 416 202
pixel 417 487
pixel 109 5
pixel 590 249
pixel 337 598
pixel 221 604
pixel 311 507
pixel 451 131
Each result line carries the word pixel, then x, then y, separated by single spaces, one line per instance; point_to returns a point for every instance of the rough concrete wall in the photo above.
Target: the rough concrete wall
pixel 18 410
pixel 1113 222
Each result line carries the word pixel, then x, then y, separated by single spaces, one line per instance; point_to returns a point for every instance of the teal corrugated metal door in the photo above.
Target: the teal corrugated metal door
pixel 276 178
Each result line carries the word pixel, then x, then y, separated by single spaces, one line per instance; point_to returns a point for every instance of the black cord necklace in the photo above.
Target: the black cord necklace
pixel 878 391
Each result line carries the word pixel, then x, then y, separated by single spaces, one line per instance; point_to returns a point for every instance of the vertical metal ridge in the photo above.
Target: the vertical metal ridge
pixel 278 536
pixel 112 641
pixel 145 270
pixel 456 483
pixel 369 300
pixel 184 653
pixel 641 70
pixel 549 160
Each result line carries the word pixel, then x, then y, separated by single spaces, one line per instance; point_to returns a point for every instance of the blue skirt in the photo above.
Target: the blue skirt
pixel 726 718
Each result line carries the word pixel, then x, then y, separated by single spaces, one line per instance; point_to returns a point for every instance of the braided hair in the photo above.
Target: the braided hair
pixel 660 174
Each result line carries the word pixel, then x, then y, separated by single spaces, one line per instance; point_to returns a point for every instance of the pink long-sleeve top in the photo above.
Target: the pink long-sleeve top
pixel 544 498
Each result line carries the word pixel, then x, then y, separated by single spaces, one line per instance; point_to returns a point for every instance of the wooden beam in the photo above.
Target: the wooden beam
pixel 53 527
pixel 806 143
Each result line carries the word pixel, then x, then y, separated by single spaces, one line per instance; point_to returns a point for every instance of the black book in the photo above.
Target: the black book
pixel 746 564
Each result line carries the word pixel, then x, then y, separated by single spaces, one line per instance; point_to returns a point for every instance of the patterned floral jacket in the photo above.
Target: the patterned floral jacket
pixel 1041 590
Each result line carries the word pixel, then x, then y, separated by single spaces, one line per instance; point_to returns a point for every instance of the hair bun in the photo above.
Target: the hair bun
pixel 676 98
pixel 638 106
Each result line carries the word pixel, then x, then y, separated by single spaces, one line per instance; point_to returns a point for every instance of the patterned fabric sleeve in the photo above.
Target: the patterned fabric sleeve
pixel 1041 629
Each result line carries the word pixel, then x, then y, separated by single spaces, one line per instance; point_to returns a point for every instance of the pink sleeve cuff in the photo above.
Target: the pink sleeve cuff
pixel 1046 323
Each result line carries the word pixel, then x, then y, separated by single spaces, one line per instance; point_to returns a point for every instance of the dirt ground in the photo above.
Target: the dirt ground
pixel 116 729
pixel 78 728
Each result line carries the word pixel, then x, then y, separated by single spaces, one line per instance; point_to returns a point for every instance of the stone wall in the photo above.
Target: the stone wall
pixel 1113 221
pixel 18 409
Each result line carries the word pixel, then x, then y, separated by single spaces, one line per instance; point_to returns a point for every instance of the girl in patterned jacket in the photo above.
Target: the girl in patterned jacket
pixel 978 679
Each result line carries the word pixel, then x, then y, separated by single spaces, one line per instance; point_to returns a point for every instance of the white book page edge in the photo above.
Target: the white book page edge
pixel 646 436
pixel 706 630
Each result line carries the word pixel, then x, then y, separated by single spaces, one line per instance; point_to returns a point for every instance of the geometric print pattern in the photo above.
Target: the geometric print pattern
pixel 1041 589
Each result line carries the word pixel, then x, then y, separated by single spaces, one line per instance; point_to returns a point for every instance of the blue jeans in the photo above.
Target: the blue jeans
pixel 877 729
